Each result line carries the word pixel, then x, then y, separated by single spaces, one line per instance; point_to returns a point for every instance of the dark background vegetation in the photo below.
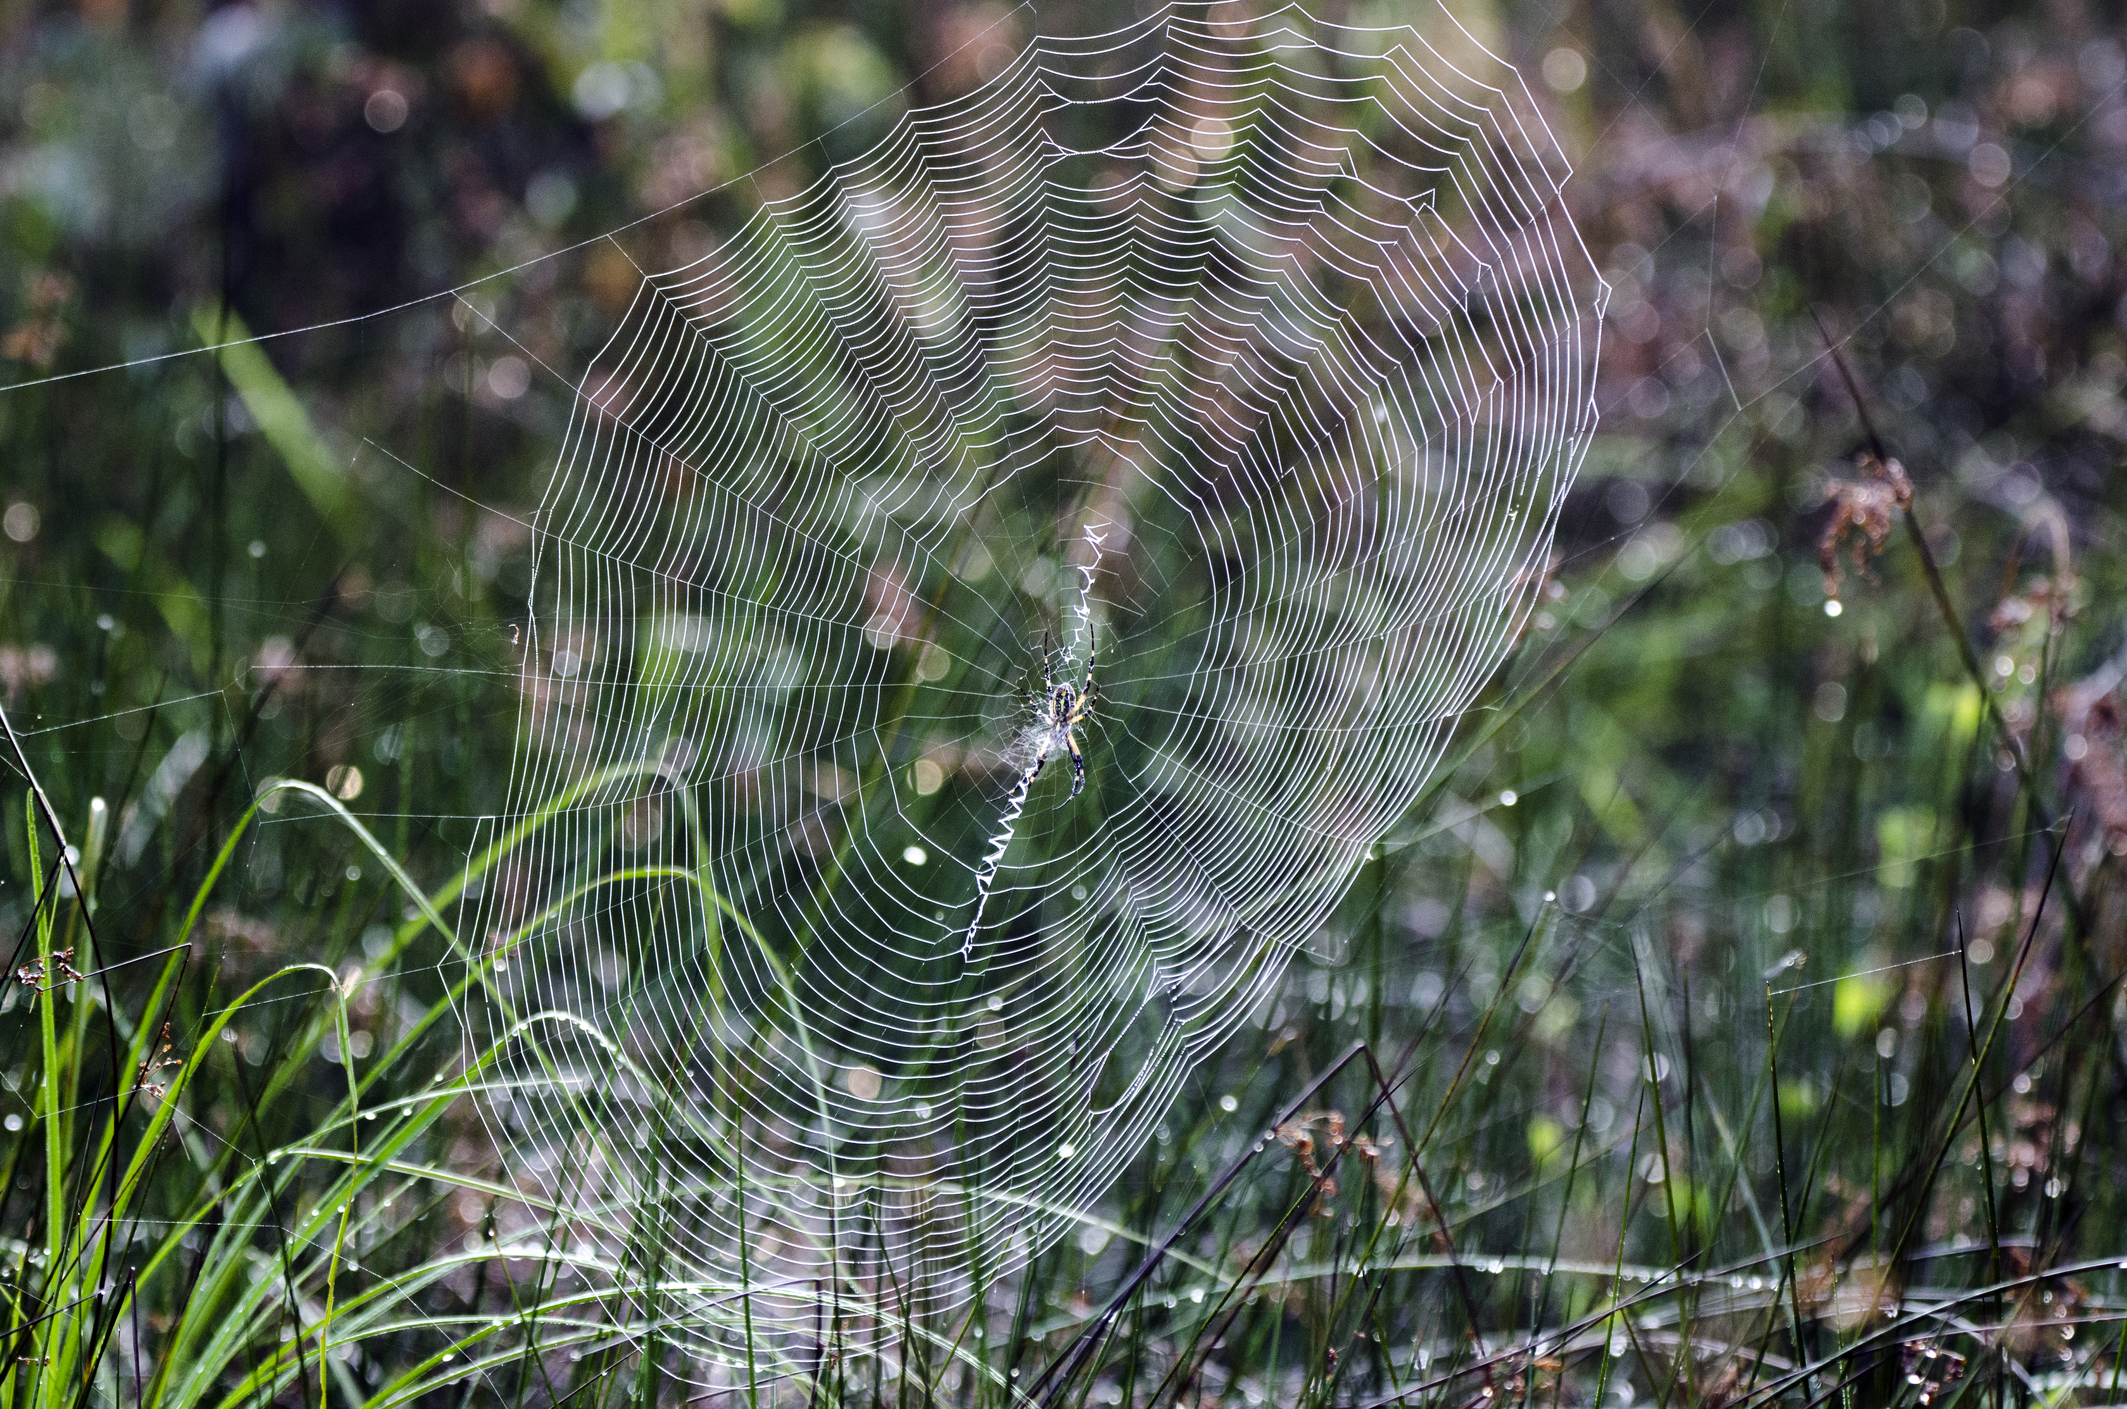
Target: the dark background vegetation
pixel 1725 788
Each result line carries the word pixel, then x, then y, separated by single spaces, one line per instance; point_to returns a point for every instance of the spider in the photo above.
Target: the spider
pixel 1063 710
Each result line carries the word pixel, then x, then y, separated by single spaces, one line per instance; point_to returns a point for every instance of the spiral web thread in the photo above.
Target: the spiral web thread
pixel 1255 350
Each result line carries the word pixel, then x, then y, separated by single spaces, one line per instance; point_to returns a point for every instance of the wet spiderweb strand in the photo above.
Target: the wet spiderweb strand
pixel 1259 353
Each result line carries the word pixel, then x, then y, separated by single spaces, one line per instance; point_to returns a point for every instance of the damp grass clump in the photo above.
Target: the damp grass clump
pixel 1589 1088
pixel 1735 1020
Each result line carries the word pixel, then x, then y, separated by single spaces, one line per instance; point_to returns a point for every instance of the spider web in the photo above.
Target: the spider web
pixel 1253 354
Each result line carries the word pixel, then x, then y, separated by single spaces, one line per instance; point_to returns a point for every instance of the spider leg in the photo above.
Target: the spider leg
pixel 1078 764
pixel 1085 691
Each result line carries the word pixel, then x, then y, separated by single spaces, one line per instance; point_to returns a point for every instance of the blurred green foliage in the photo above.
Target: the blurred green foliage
pixel 1725 788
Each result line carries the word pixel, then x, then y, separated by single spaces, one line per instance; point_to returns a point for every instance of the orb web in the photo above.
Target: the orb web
pixel 1238 368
